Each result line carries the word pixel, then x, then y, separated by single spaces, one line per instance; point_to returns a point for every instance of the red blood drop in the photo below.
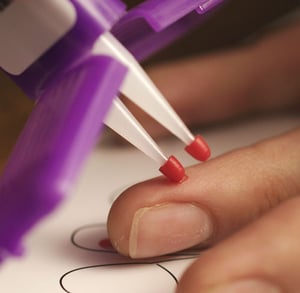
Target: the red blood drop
pixel 106 244
pixel 173 170
pixel 199 149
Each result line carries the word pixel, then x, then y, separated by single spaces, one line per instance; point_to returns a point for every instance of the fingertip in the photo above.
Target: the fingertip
pixel 151 195
pixel 118 225
pixel 124 207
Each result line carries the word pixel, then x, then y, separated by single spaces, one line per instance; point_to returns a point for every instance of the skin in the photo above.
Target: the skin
pixel 243 204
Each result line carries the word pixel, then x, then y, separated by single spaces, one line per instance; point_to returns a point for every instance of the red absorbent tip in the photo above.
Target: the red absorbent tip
pixel 199 149
pixel 173 170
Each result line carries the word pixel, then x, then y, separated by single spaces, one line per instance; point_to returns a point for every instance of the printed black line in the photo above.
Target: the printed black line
pixel 61 280
pixel 184 255
pixel 75 232
pixel 169 272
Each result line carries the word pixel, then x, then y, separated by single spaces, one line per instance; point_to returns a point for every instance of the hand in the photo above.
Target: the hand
pixel 244 204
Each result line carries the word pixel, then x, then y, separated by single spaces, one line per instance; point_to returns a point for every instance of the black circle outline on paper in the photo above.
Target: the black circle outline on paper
pixel 167 258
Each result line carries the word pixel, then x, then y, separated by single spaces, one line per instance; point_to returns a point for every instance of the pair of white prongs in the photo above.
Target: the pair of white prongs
pixel 139 88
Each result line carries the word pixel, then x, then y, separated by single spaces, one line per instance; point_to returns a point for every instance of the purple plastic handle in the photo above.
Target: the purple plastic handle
pixel 57 137
pixel 73 90
pixel 94 17
pixel 154 24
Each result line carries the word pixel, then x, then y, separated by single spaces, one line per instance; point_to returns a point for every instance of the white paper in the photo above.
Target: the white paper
pixel 56 263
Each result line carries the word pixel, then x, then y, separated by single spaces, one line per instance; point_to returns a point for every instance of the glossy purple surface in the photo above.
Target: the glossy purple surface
pixel 154 24
pixel 74 90
pixel 58 136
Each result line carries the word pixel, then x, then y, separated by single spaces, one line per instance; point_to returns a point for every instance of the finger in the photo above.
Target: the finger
pixel 258 77
pixel 220 196
pixel 262 258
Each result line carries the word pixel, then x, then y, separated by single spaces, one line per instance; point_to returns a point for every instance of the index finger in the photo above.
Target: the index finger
pixel 220 196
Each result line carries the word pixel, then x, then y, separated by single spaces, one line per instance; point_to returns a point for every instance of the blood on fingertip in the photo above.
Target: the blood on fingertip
pixel 199 149
pixel 173 170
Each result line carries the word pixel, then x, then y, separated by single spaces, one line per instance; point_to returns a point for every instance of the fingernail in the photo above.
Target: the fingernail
pixel 246 286
pixel 167 228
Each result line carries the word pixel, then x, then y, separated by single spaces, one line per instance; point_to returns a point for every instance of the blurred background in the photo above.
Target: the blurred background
pixel 232 24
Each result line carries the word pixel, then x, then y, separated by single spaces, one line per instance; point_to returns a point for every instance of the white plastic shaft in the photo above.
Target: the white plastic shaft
pixel 139 88
pixel 123 122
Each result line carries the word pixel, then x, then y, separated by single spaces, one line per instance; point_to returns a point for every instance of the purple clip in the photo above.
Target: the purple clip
pixel 93 18
pixel 154 24
pixel 58 135
pixel 74 90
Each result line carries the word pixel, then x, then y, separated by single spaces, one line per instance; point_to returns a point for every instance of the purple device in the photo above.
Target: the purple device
pixel 73 90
